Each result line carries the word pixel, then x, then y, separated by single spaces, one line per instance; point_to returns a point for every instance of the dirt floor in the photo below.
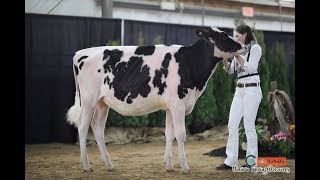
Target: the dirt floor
pixel 135 161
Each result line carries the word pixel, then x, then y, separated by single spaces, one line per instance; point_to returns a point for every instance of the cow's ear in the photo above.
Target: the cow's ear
pixel 214 28
pixel 201 33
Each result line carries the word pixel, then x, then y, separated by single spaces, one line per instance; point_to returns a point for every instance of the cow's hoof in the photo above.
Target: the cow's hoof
pixel 111 169
pixel 169 167
pixel 88 170
pixel 170 170
pixel 186 171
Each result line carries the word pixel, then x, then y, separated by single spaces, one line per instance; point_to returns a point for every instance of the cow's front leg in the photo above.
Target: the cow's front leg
pixel 169 139
pixel 178 117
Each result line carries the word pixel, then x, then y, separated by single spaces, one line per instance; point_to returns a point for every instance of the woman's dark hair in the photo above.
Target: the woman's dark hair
pixel 246 29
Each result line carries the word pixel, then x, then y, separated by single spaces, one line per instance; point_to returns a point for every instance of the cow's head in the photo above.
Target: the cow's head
pixel 225 45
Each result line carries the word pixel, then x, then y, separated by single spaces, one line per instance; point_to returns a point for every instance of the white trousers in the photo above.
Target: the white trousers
pixel 245 104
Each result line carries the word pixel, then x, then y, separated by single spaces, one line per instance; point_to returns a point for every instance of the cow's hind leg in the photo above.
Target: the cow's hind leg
pixel 178 117
pixel 169 139
pixel 98 125
pixel 87 110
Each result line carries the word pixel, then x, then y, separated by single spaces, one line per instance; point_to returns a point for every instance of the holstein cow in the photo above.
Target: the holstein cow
pixel 137 80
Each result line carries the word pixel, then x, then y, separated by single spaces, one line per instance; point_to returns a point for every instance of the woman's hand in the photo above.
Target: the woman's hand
pixel 237 56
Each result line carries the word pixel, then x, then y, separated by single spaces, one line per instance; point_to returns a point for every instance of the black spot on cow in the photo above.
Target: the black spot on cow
pixel 130 78
pixel 82 57
pixel 129 100
pixel 76 69
pixel 108 81
pixel 145 50
pixel 79 96
pixel 162 72
pixel 182 91
pixel 196 63
pixel 114 55
pixel 81 64
pixel 99 70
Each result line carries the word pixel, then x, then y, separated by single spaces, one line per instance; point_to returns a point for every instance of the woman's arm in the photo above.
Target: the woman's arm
pixel 228 66
pixel 255 55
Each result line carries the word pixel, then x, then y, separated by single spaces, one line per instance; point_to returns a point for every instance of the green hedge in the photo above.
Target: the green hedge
pixel 264 108
pixel 278 67
pixel 223 91
pixel 205 109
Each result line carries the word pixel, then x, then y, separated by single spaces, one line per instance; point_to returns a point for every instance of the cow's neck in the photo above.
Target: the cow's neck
pixel 221 54
pixel 196 64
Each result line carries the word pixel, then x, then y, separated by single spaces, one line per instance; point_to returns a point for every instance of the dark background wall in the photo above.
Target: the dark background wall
pixel 170 33
pixel 50 43
pixel 184 35
pixel 286 38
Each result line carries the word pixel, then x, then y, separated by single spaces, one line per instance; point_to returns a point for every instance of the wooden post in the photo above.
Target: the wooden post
pixel 273 86
pixel 273 125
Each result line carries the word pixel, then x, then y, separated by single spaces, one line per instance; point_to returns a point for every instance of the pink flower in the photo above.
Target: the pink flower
pixel 279 136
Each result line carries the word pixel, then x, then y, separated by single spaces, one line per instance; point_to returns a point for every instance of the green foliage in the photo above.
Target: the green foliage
pixel 264 108
pixel 223 93
pixel 279 147
pixel 189 119
pixel 157 119
pixel 117 120
pixel 205 109
pixel 157 40
pixel 277 67
pixel 134 121
pixel 261 133
pixel 242 134
pixel 114 118
pixel 113 43
pixel 283 147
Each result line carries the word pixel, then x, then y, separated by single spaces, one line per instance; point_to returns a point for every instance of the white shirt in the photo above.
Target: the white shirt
pixel 249 67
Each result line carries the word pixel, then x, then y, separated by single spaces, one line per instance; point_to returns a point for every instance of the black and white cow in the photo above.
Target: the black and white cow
pixel 137 80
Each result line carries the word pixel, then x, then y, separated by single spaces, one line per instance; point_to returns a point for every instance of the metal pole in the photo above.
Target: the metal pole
pixel 280 15
pixel 122 32
pixel 202 12
pixel 107 8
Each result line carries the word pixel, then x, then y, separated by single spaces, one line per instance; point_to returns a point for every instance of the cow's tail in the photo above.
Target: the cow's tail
pixel 73 115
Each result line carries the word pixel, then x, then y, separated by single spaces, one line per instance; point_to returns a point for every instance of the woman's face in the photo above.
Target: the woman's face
pixel 240 37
